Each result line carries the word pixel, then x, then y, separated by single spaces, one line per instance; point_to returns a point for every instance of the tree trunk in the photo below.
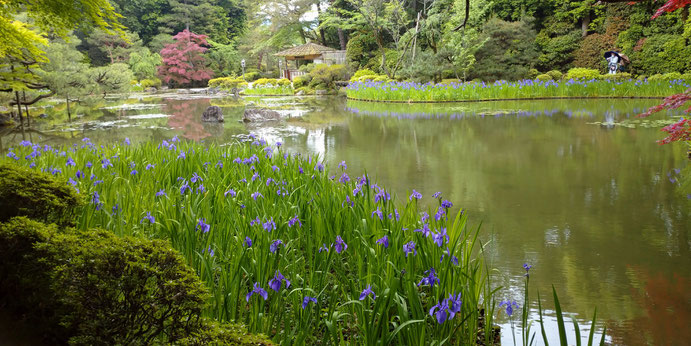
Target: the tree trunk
pixel 19 107
pixel 341 39
pixel 26 108
pixel 585 23
pixel 259 61
pixel 69 114
pixel 321 30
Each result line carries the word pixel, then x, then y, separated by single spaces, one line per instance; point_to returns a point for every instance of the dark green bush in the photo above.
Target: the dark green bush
pixel 39 196
pixel 252 76
pixel 301 81
pixel 96 288
pixel 509 53
pixel 214 333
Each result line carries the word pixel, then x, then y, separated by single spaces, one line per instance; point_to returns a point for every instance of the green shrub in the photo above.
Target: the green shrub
pixel 618 76
pixel 148 83
pixel 228 83
pixel 360 73
pixel 582 73
pixel 369 78
pixel 556 75
pixel 273 82
pixel 252 76
pixel 214 333
pixel 665 77
pixel 40 196
pixel 301 81
pixel 94 288
pixel 323 75
pixel 100 289
pixel 307 68
pixel 283 82
pixel 544 77
pixel 384 79
pixel 533 73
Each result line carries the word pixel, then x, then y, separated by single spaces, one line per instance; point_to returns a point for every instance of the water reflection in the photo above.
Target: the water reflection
pixel 594 208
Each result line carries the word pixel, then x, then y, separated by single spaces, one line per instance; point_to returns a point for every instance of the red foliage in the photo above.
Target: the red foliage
pixel 681 130
pixel 183 60
pixel 670 6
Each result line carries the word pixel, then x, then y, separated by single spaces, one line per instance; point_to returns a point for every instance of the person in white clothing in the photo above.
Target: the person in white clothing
pixel 613 64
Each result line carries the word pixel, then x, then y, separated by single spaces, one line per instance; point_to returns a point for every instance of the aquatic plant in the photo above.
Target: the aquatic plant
pixel 283 246
pixel 523 89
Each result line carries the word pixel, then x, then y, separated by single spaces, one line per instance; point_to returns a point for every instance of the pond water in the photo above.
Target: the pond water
pixel 577 188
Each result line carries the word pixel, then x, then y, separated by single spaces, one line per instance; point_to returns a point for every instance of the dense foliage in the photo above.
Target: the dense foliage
pixel 183 61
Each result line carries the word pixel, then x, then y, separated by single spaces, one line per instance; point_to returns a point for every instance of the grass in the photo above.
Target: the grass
pixel 273 91
pixel 415 92
pixel 339 237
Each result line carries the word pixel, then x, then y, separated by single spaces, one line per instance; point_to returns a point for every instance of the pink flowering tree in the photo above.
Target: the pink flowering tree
pixel 184 63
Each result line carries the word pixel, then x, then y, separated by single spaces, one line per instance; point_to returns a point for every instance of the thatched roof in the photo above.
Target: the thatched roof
pixel 305 50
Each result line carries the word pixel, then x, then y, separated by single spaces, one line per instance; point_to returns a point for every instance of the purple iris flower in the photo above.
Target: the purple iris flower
pixel 161 193
pixel 440 311
pixel 70 162
pixel 127 141
pixel 184 187
pixel 134 172
pixel 343 165
pixel 438 238
pixel 275 283
pixel 430 279
pixel 384 241
pixel 378 213
pixel 195 178
pixel 344 178
pixel 409 247
pixel 440 213
pixel 230 192
pixel 257 290
pixel 306 301
pixel 340 245
pixel 275 244
pixel 182 155
pixel 105 163
pixel 527 267
pixel 415 195
pixel 446 204
pixel 256 221
pixel 149 217
pixel 424 216
pixel 367 291
pixel 269 225
pixel 256 195
pixel 454 304
pixel 210 251
pixel 425 230
pixel 509 306
pixel 319 167
pixel 293 221
pixel 150 166
pixel 203 226
pixel 323 248
pixel 248 242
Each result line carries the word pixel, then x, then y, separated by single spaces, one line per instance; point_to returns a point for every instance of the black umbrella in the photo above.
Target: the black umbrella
pixel 610 53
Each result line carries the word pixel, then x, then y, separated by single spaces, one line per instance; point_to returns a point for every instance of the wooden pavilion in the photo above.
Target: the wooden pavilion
pixel 311 52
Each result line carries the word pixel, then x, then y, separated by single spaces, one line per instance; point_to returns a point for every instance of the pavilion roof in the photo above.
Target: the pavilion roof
pixel 308 49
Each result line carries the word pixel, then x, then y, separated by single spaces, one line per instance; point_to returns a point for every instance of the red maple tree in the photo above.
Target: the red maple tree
pixel 681 130
pixel 183 61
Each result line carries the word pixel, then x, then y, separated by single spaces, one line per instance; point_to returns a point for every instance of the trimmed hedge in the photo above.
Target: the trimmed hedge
pixel 39 196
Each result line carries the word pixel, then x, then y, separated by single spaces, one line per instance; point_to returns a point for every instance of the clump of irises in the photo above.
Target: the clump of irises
pixel 291 250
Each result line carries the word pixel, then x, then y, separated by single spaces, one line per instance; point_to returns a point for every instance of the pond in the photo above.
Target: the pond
pixel 577 188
